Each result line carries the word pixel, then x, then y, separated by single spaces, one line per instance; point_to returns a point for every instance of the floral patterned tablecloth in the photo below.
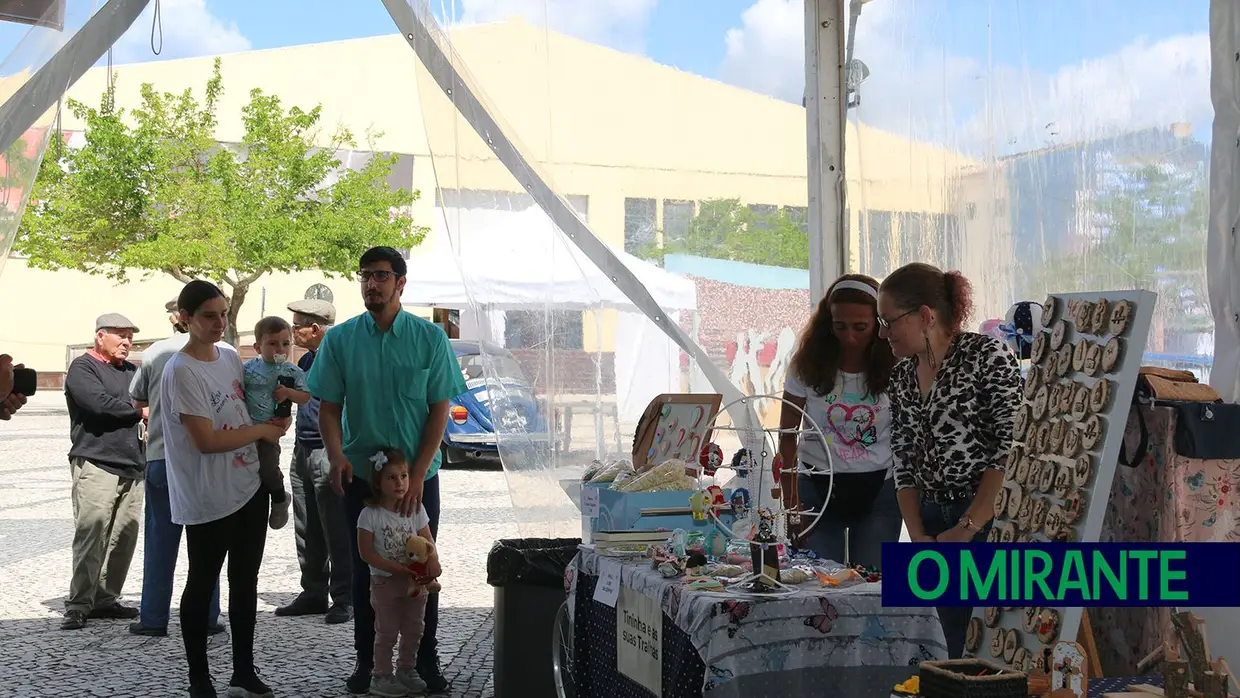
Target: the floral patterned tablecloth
pixel 815 629
pixel 1163 498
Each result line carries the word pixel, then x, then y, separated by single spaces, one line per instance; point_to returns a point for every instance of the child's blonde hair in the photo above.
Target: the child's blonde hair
pixel 385 458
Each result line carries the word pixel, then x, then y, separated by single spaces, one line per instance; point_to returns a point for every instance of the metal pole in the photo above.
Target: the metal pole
pixel 825 104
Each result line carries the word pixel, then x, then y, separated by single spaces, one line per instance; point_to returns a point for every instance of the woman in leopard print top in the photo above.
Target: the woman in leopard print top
pixel 953 400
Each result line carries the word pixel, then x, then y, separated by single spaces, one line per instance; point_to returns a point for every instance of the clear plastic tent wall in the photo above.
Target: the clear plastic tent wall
pixel 568 359
pixel 32 47
pixel 1038 147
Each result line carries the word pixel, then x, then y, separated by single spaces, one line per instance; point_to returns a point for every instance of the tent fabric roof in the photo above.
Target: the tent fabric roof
pixel 519 259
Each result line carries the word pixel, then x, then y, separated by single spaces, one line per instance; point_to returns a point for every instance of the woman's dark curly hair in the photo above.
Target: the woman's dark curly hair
pixel 816 361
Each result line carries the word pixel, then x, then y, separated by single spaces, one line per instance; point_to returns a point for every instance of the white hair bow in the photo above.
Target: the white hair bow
pixel 379 460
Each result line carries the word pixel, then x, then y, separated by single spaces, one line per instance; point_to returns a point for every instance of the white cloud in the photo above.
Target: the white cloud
pixel 919 88
pixel 620 24
pixel 189 29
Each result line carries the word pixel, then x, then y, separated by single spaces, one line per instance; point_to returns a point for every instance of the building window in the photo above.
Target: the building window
pixel 878 243
pixel 494 200
pixel 798 215
pixel 677 215
pixel 639 224
pixel 536 329
pixel 911 238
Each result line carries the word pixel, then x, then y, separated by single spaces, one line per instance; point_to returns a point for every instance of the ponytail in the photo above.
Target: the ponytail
pixel 959 293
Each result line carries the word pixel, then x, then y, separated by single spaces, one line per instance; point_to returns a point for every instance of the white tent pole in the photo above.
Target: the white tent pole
pixel 1222 250
pixel 62 70
pixel 825 100
pixel 421 31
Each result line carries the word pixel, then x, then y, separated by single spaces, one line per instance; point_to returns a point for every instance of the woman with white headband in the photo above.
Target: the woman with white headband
pixel 839 375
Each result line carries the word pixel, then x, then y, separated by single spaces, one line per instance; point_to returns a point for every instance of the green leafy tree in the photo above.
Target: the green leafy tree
pixel 728 229
pixel 153 191
pixel 1148 227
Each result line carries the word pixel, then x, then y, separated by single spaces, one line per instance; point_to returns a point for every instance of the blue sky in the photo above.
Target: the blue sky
pixel 1020 73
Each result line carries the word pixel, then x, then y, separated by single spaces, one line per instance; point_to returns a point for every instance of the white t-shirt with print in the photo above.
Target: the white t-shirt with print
pixel 205 487
pixel 857 425
pixel 391 531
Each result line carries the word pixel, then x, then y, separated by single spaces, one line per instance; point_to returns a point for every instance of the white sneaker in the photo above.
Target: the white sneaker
pixel 279 513
pixel 411 681
pixel 388 687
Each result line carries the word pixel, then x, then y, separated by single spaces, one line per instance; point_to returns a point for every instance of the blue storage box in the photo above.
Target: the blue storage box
pixel 622 511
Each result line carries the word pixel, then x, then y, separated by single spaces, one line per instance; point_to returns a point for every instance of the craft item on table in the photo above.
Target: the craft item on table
pixel 1052 371
pixel 1080 402
pixel 1039 513
pixel 796 575
pixel 1016 498
pixel 1000 504
pixel 1058 430
pixel 611 471
pixel 1091 432
pixel 1007 533
pixel 1046 477
pixel 1059 331
pixel 1021 424
pixel 1112 354
pixel 695 542
pixel 702 584
pixel 1063 361
pixel 845 576
pixel 1083 317
pixel 711 458
pixel 1050 309
pixel 1121 315
pixel 1039 348
pixel 1079 350
pixel 596 466
pixel 1071 443
pixel 621 478
pixel 908 687
pixel 1065 399
pixel 740 501
pixel 1023 468
pixel 1040 398
pixel 742 462
pixel 666 563
pixel 991 617
pixel 1098 319
pixel 1068 668
pixel 1063 480
pixel 1074 504
pixel 1030 618
pixel 992 536
pixel 996 642
pixel 699 502
pixel 764 554
pixel 1011 643
pixel 868 574
pixel 1047 625
pixel 1100 395
pixel 717 499
pixel 1024 514
pixel 716 543
pixel 1033 381
pixel 669 471
pixel 973 634
pixel 1022 660
pixel 1093 360
pixel 677 543
pixel 695 560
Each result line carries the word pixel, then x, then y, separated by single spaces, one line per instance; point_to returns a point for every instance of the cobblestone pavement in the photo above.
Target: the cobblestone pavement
pixel 297 656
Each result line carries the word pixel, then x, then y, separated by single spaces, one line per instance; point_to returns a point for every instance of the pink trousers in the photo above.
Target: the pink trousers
pixel 399 621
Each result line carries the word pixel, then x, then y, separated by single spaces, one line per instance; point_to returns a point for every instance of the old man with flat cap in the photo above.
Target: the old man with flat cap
pixel 106 464
pixel 318 512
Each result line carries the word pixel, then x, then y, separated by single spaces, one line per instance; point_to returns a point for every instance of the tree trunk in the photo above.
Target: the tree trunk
pixel 232 332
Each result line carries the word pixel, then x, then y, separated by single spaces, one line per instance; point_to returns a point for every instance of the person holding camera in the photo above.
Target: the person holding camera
pixel 14 397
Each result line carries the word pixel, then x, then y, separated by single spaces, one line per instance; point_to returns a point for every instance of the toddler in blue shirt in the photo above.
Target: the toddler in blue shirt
pixel 264 393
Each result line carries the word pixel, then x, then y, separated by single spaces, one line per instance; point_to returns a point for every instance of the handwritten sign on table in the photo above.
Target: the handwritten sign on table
pixel 639 640
pixel 608 588
pixel 589 502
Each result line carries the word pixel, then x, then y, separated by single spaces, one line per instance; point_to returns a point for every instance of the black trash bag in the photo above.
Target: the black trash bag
pixel 530 561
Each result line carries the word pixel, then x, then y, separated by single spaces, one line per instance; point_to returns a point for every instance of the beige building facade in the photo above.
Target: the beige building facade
pixel 634 145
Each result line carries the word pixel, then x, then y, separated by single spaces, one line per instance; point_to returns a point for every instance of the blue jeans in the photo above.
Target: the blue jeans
pixel 159 553
pixel 937 518
pixel 355 495
pixel 868 527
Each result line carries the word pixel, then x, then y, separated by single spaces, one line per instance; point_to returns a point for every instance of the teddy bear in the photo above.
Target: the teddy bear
pixel 421 551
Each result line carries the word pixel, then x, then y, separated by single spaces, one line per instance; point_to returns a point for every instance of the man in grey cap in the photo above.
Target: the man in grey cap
pixel 106 466
pixel 162 542
pixel 318 513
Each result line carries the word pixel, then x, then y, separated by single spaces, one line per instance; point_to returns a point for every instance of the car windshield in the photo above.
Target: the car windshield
pixel 473 366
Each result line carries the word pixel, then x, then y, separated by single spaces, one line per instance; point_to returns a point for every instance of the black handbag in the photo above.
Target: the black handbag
pixel 1203 430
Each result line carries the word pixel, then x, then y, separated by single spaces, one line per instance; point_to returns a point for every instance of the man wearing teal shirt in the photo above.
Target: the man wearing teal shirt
pixel 385 379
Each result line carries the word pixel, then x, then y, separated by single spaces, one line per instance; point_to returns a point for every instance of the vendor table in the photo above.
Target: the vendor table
pixel 724 645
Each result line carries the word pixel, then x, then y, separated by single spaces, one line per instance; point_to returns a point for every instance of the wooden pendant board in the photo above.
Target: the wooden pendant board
pixel 1068 481
pixel 675 425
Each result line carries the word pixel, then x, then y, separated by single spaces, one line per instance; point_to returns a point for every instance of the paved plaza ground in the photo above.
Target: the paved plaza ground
pixel 297 656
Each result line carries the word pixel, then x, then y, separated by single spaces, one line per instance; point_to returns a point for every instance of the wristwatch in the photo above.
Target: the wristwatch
pixel 966 521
